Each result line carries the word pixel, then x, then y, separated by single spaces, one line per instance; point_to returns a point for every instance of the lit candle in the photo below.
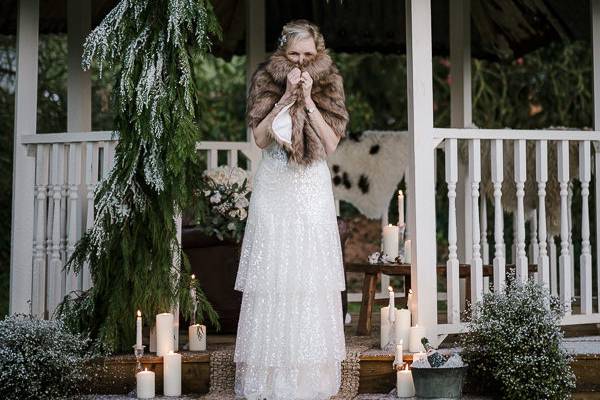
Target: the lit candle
pixel 416 333
pixel 197 337
pixel 390 240
pixel 404 383
pixel 172 374
pixel 165 340
pixel 400 208
pixel 145 384
pixel 407 256
pixel 193 291
pixel 410 302
pixel 403 325
pixel 138 330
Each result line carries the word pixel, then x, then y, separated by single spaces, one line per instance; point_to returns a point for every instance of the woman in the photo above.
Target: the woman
pixel 290 337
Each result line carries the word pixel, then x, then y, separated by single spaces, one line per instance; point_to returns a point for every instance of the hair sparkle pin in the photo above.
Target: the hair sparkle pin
pixel 282 40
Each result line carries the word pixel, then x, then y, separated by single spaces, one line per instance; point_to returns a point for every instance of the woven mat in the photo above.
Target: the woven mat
pixel 222 370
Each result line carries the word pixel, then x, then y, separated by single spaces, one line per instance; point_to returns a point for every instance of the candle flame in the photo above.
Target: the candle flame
pixel 389 224
pixel 400 192
pixel 145 369
pixel 139 313
pixel 410 291
pixel 406 367
pixel 193 276
pixel 390 289
pixel 401 342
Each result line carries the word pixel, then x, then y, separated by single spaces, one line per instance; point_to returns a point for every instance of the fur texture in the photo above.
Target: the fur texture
pixel 268 85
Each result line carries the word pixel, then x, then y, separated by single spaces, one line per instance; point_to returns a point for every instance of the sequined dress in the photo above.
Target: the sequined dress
pixel 290 335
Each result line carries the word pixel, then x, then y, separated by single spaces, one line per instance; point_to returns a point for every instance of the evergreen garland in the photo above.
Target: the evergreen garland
pixel 133 245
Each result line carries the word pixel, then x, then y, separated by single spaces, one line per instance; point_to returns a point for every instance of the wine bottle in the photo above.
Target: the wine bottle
pixel 435 359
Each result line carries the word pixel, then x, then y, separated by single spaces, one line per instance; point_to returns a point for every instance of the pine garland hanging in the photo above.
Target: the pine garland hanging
pixel 133 246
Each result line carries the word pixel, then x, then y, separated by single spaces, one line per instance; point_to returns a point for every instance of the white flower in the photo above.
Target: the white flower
pixel 207 193
pixel 243 214
pixel 242 202
pixel 233 213
pixel 373 258
pixel 231 226
pixel 215 198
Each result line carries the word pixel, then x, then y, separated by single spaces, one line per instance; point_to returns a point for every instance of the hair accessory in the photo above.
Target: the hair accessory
pixel 282 40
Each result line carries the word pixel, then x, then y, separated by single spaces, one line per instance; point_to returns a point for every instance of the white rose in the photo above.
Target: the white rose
pixel 231 226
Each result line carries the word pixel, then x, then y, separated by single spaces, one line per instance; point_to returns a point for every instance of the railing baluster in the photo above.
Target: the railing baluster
pixel 543 266
pixel 91 179
pixel 571 249
pixel 552 255
pixel 497 178
pixel 597 213
pixel 213 158
pixel 565 258
pixel 74 179
pixel 55 271
pixel 232 158
pixel 485 247
pixel 585 260
pixel 476 261
pixel 38 293
pixel 452 265
pixel 534 247
pixel 522 265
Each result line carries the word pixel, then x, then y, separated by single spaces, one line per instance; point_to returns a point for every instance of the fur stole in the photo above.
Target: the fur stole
pixel 268 85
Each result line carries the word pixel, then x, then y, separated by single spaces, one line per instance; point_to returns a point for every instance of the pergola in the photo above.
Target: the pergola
pixel 54 174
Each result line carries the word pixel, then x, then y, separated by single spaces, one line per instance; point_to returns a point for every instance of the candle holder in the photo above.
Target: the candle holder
pixel 138 351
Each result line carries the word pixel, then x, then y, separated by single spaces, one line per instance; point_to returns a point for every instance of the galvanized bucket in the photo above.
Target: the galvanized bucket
pixel 439 383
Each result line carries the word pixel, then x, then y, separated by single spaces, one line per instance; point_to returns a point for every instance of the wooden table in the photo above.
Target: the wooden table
pixel 371 272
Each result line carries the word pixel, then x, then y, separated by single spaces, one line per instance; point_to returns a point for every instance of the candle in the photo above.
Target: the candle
pixel 416 333
pixel 400 208
pixel 404 383
pixel 193 291
pixel 197 337
pixel 145 384
pixel 407 257
pixel 390 240
pixel 399 353
pixel 172 374
pixel 392 306
pixel 165 341
pixel 138 330
pixel 403 326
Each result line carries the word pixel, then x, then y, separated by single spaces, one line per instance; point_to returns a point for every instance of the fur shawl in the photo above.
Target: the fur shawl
pixel 268 85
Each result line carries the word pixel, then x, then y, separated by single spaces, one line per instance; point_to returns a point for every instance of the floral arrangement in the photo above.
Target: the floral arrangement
pixel 513 344
pixel 381 258
pixel 223 205
pixel 41 359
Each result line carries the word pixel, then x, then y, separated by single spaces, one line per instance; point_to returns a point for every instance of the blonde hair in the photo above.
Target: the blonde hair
pixel 301 29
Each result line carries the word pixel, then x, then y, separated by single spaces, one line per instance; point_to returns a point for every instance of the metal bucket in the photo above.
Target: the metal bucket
pixel 439 383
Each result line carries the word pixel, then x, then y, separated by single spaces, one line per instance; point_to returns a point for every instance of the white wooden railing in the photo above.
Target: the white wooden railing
pixel 557 275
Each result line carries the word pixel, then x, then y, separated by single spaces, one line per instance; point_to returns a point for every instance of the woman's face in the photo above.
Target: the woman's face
pixel 300 50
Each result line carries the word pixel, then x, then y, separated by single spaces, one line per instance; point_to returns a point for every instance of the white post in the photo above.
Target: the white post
pixel 421 183
pixel 543 265
pixel 461 113
pixel 534 249
pixel 476 261
pixel 23 162
pixel 585 259
pixel 497 178
pixel 452 265
pixel 522 266
pixel 595 17
pixel 562 153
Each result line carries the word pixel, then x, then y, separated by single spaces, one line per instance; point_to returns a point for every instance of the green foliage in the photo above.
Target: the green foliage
pixel 133 245
pixel 41 359
pixel 513 344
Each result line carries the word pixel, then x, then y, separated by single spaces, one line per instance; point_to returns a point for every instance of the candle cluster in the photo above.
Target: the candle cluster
pixel 393 235
pixel 396 325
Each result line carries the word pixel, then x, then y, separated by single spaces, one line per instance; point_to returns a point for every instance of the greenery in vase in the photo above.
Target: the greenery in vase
pixel 135 259
pixel 223 202
pixel 513 344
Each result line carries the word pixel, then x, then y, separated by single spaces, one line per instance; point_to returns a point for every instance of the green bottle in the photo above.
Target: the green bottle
pixel 435 359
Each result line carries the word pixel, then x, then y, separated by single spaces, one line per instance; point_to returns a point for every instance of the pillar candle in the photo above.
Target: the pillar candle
pixel 404 383
pixel 390 240
pixel 416 333
pixel 138 330
pixel 145 384
pixel 400 208
pixel 197 343
pixel 172 374
pixel 407 256
pixel 403 326
pixel 165 341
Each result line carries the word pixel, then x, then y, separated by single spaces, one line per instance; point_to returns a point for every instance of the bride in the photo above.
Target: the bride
pixel 290 336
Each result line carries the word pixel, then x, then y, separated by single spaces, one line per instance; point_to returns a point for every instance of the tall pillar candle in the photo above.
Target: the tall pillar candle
pixel 197 337
pixel 138 330
pixel 172 374
pixel 403 326
pixel 390 240
pixel 165 340
pixel 405 387
pixel 145 384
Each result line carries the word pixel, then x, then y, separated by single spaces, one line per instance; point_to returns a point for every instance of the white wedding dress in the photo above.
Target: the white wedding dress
pixel 290 336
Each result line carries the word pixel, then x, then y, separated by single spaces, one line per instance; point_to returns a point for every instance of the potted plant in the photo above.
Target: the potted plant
pixel 212 236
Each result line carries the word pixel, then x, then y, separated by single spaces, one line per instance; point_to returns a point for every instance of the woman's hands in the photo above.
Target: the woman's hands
pixel 294 78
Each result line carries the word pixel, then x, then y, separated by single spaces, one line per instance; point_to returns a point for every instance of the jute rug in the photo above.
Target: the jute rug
pixel 222 370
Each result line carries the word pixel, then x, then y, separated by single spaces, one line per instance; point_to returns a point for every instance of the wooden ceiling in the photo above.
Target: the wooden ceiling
pixel 500 28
